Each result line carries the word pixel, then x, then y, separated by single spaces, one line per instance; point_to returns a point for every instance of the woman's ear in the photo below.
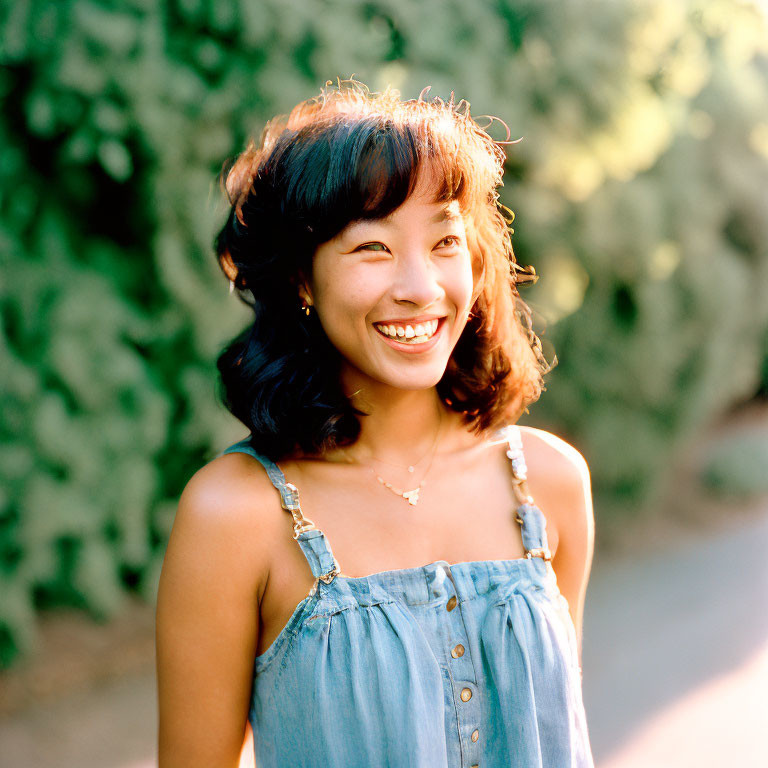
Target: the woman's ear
pixel 305 292
pixel 230 270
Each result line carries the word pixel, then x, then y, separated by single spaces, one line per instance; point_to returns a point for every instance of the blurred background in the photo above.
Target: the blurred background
pixel 641 198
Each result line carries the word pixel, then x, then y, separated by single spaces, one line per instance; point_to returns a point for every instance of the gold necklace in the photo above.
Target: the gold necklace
pixel 412 496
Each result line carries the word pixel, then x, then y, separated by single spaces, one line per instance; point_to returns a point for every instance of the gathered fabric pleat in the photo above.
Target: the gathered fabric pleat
pixel 360 682
pixel 357 685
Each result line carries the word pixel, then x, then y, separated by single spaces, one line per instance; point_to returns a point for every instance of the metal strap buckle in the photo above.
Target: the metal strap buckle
pixel 293 502
pixel 519 472
pixel 327 578
pixel 522 496
pixel 301 525
pixel 519 468
pixel 542 552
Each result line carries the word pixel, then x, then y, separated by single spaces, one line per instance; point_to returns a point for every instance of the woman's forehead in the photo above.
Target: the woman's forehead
pixel 435 211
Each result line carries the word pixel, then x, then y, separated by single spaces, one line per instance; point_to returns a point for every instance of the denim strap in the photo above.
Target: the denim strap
pixel 312 541
pixel 530 517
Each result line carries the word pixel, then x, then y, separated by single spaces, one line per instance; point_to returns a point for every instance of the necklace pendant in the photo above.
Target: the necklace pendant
pixel 412 496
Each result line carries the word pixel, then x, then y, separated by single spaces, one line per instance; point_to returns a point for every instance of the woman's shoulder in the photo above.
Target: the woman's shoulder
pixel 559 481
pixel 559 456
pixel 230 504
pixel 232 486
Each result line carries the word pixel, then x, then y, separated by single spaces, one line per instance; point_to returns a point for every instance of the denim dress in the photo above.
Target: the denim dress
pixel 457 665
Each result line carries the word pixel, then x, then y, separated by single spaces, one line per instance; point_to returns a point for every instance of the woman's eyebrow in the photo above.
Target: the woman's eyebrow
pixel 446 214
pixel 353 226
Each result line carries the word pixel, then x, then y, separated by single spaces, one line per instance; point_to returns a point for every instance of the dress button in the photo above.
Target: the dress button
pixel 451 604
pixel 457 651
pixel 475 735
pixel 466 694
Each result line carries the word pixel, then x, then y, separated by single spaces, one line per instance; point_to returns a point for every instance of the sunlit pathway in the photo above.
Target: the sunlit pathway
pixel 111 726
pixel 676 653
pixel 721 723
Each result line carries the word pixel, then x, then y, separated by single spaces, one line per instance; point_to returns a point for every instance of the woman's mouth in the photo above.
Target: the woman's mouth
pixel 420 336
pixel 409 334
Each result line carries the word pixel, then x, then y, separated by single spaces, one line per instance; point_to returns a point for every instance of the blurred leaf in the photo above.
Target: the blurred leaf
pixel 738 465
pixel 115 159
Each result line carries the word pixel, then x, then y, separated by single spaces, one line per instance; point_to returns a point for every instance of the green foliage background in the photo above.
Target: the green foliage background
pixel 639 191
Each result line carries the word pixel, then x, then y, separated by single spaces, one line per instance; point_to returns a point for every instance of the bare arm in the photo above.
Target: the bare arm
pixel 564 494
pixel 573 561
pixel 207 623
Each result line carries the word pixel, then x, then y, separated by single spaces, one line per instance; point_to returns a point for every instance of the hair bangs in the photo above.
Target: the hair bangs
pixel 342 170
pixel 383 170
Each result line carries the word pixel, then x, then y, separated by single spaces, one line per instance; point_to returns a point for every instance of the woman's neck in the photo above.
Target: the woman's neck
pixel 405 427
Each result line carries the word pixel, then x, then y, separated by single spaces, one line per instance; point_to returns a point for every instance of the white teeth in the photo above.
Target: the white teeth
pixel 417 334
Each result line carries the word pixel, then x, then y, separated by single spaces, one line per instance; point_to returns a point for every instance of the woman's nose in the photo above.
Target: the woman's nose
pixel 417 281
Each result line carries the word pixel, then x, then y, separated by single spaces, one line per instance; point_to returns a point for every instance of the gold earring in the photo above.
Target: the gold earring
pixel 306 306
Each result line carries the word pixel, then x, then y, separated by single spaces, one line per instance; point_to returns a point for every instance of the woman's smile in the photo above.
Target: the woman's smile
pixel 411 337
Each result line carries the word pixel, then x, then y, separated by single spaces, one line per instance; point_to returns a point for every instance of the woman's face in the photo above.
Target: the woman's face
pixel 393 295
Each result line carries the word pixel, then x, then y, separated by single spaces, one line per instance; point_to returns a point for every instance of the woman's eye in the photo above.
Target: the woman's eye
pixel 378 247
pixel 450 240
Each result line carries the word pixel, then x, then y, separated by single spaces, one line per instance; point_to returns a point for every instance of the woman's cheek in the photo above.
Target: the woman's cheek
pixel 462 283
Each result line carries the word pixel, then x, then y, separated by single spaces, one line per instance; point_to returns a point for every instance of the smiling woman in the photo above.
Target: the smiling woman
pixel 388 344
pixel 322 195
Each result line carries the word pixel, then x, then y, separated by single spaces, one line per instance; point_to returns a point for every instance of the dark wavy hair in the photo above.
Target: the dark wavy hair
pixel 344 156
